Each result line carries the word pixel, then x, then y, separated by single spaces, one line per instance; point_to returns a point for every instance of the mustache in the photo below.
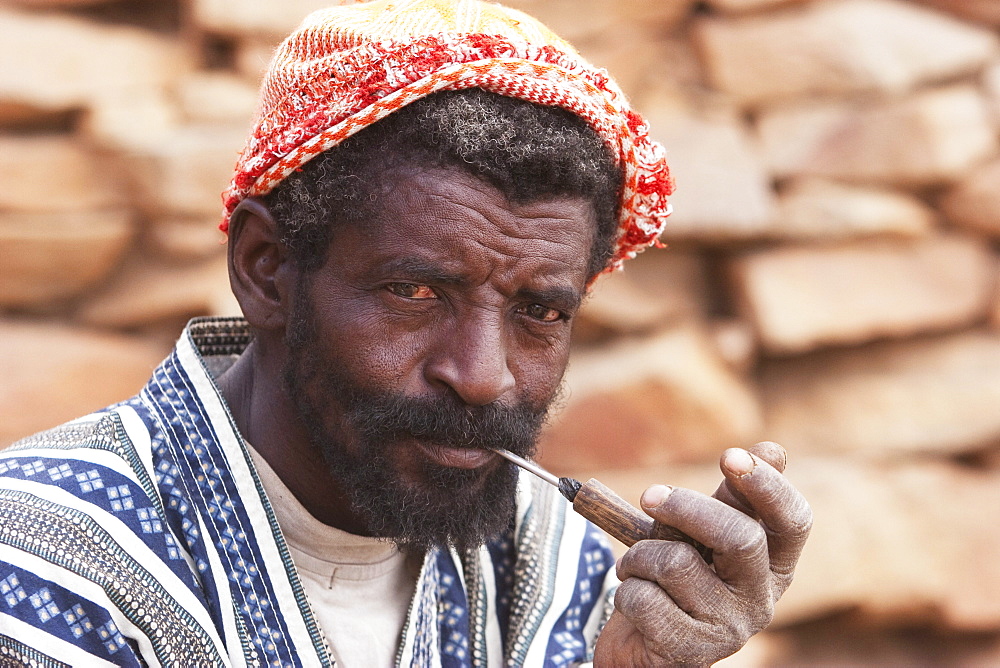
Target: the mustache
pixel 448 422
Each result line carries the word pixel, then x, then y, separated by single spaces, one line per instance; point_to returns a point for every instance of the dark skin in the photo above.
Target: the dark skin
pixel 455 290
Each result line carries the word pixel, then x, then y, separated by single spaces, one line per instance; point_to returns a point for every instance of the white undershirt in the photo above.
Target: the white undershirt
pixel 359 587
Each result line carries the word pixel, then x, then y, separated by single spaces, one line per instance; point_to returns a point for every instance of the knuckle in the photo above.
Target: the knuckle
pixel 741 628
pixel 783 575
pixel 632 596
pixel 724 641
pixel 635 560
pixel 622 596
pixel 746 539
pixel 804 522
pixel 650 558
pixel 737 641
pixel 781 582
pixel 773 490
pixel 763 614
pixel 799 521
pixel 681 560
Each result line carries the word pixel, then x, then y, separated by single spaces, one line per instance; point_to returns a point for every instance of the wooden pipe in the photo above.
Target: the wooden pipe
pixel 623 521
pixel 599 504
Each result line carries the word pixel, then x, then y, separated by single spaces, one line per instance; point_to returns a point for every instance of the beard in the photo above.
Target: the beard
pixel 445 506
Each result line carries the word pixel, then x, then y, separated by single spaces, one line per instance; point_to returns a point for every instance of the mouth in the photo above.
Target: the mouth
pixel 457 458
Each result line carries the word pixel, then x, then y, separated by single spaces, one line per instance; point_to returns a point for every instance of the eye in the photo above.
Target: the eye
pixel 412 290
pixel 542 313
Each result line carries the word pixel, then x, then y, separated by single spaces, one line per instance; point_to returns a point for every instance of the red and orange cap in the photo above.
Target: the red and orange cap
pixel 349 66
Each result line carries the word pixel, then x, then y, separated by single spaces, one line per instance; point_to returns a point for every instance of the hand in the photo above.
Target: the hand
pixel 672 608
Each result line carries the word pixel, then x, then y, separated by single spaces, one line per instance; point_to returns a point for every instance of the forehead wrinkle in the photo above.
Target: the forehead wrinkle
pixel 535 256
pixel 547 239
pixel 513 221
pixel 488 224
pixel 520 214
pixel 429 186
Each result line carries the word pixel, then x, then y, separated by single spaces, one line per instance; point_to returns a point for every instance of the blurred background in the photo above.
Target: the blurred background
pixel 830 282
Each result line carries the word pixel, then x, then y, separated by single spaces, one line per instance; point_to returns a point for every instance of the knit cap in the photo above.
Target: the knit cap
pixel 349 66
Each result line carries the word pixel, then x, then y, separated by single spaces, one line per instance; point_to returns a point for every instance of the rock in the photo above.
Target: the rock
pixel 186 175
pixel 853 640
pixel 735 342
pixel 659 62
pixel 14 116
pixel 762 649
pixel 216 97
pixel 572 19
pixel 656 287
pixel 93 61
pixel 991 90
pixel 839 47
pixel 899 547
pixel 579 21
pixel 974 203
pixel 748 5
pixel 965 506
pixel 183 239
pixel 273 20
pixel 252 57
pixel 935 394
pixel 891 541
pixel 977 11
pixel 666 398
pixel 27 167
pixel 57 3
pixel 53 256
pixel 930 138
pixel 723 188
pixel 995 306
pixel 145 293
pixel 815 209
pixel 52 373
pixel 138 123
pixel 22 119
pixel 803 298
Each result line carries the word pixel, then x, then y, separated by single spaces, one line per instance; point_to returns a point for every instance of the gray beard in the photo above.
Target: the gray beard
pixel 449 506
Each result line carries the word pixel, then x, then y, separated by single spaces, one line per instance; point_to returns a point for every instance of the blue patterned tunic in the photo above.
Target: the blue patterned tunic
pixel 141 535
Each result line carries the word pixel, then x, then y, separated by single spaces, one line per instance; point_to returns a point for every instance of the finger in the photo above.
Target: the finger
pixel 784 512
pixel 649 609
pixel 770 452
pixel 672 635
pixel 680 572
pixel 739 544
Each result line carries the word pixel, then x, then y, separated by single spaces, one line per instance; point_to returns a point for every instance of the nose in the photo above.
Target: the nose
pixel 472 361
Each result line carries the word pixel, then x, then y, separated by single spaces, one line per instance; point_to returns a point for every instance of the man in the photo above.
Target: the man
pixel 429 190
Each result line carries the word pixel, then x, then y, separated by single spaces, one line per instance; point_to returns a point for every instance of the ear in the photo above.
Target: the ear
pixel 261 272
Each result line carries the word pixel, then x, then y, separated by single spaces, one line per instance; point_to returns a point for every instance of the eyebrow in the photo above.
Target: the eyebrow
pixel 424 271
pixel 565 298
pixel 418 269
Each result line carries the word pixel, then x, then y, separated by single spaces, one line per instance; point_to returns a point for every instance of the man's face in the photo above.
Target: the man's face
pixel 434 333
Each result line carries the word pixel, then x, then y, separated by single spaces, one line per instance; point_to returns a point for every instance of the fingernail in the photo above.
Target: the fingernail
pixel 655 496
pixel 739 461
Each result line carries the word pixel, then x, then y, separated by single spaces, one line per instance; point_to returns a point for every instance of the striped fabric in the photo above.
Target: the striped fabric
pixel 141 535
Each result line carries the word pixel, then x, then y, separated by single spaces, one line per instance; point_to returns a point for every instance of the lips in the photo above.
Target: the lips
pixel 458 458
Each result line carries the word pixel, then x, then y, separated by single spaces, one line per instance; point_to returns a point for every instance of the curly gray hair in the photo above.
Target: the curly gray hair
pixel 525 150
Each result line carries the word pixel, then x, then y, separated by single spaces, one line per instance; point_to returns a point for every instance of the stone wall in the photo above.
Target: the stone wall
pixel 831 281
